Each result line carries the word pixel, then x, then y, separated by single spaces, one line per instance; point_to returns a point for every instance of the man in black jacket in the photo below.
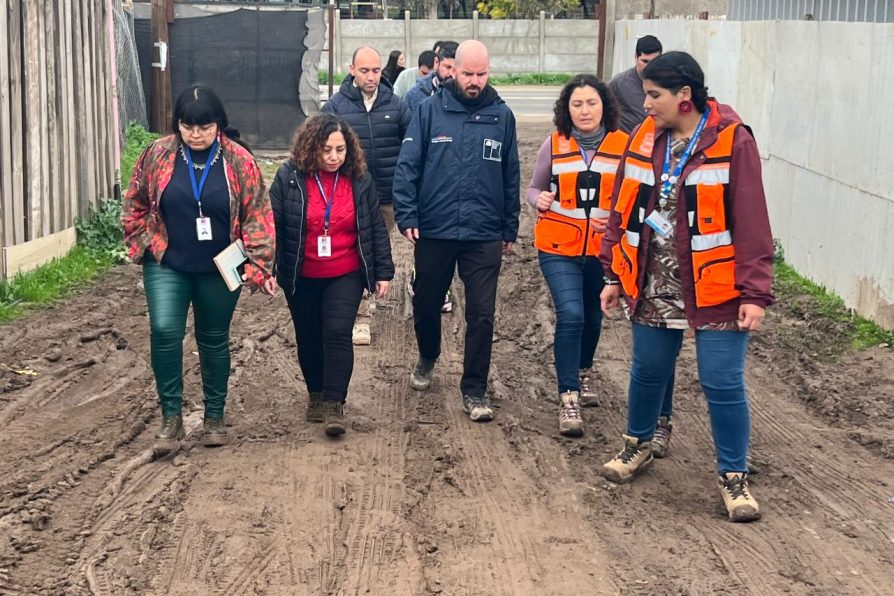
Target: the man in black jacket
pixel 366 102
pixel 456 198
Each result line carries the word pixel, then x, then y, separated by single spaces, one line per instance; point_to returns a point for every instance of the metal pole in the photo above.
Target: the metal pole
pixel 600 61
pixel 331 11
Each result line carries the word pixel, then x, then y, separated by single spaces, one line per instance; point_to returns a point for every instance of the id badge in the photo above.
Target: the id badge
pixel 324 246
pixel 660 224
pixel 203 228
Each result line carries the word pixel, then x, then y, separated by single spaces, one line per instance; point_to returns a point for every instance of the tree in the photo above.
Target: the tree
pixel 524 9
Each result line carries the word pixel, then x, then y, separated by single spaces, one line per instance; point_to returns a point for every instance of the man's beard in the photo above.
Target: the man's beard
pixel 477 90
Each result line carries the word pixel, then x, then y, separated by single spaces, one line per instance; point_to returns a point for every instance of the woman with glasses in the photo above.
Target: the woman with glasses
pixel 193 193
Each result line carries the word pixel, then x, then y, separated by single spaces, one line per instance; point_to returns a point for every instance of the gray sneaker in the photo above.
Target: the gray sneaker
pixel 478 408
pixel 420 378
pixel 662 437
pixel 571 422
pixel 587 392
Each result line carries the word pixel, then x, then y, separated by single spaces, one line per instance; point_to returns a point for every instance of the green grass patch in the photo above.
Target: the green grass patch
pixel 530 78
pixel 100 247
pixel 808 301
pixel 51 281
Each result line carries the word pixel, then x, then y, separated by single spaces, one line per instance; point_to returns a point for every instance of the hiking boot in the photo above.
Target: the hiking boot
pixel 635 458
pixel 587 392
pixel 169 435
pixel 214 432
pixel 478 408
pixel 333 418
pixel 571 423
pixel 448 302
pixel 740 505
pixel 662 438
pixel 420 378
pixel 361 335
pixel 314 412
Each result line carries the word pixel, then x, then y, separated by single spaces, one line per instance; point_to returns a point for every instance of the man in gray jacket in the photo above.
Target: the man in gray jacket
pixel 627 86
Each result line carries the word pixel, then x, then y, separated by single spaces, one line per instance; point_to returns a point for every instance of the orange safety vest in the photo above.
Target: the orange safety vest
pixel 566 228
pixel 705 188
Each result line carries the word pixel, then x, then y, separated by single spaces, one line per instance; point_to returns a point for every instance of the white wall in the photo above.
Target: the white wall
pixel 818 96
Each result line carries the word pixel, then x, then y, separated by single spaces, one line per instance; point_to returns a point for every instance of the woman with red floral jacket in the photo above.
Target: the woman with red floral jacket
pixel 192 194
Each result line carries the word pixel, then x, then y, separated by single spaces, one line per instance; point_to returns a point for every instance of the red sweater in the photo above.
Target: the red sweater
pixel 342 228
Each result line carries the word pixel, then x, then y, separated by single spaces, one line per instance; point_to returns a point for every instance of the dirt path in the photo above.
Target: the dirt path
pixel 416 499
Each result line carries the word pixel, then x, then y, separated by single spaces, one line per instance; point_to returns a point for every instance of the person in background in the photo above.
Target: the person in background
pixel 396 65
pixel 571 189
pixel 333 244
pixel 192 194
pixel 426 63
pixel 429 84
pixel 627 86
pixel 689 245
pixel 380 119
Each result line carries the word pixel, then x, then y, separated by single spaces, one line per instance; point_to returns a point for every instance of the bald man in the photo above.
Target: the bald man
pixel 380 119
pixel 456 199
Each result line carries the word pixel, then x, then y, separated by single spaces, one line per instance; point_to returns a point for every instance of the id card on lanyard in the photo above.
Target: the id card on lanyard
pixel 324 242
pixel 658 220
pixel 203 224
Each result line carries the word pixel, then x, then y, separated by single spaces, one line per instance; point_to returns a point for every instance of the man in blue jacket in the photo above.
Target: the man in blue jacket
pixel 456 198
pixel 380 119
pixel 430 83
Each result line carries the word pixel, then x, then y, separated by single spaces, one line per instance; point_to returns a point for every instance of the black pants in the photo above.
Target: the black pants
pixel 323 311
pixel 479 266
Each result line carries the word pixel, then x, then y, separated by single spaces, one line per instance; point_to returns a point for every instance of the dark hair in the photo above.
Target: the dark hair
pixel 676 70
pixel 647 44
pixel 198 105
pixel 448 50
pixel 391 69
pixel 234 135
pixel 427 58
pixel 393 57
pixel 312 135
pixel 438 45
pixel 610 109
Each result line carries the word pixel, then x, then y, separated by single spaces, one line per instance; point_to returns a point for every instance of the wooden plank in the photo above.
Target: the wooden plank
pixel 69 149
pixel 6 216
pixel 30 255
pixel 31 61
pixel 52 214
pixel 80 124
pixel 43 200
pixel 16 112
pixel 88 169
pixel 104 58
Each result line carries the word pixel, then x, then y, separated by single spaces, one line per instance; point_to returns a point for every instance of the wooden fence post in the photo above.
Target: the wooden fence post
pixel 161 74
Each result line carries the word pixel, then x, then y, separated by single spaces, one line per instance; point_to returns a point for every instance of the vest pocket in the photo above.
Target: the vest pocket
pixel 711 213
pixel 715 276
pixel 625 267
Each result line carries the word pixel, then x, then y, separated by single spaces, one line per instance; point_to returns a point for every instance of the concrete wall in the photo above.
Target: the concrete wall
pixel 516 46
pixel 635 8
pixel 823 125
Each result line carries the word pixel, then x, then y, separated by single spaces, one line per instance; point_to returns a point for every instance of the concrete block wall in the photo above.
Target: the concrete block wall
pixel 821 119
pixel 516 46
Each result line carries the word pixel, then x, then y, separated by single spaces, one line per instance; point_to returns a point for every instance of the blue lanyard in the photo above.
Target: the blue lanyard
pixel 327 201
pixel 667 179
pixel 198 187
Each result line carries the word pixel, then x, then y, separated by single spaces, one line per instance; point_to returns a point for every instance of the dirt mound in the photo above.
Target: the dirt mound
pixel 415 499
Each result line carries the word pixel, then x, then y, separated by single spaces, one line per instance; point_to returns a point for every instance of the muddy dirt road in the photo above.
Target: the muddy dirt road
pixel 415 499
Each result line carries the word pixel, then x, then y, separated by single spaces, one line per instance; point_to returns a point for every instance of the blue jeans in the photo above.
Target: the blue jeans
pixel 575 284
pixel 721 372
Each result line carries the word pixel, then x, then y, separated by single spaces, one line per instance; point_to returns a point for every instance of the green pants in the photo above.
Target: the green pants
pixel 169 294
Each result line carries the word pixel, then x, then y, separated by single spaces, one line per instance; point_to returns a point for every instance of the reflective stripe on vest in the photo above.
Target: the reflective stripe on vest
pixel 580 189
pixel 711 241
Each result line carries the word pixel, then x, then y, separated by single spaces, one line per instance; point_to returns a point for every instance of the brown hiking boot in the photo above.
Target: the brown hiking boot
pixel 333 418
pixel 740 505
pixel 571 423
pixel 214 432
pixel 635 458
pixel 314 412
pixel 662 438
pixel 587 391
pixel 170 434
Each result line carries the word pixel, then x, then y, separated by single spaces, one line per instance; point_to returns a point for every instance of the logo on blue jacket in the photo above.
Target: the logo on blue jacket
pixel 492 150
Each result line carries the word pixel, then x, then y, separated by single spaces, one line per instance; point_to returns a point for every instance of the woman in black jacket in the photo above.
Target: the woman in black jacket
pixel 333 243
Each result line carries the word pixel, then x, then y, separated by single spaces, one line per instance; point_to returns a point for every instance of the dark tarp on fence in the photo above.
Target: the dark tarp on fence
pixel 252 58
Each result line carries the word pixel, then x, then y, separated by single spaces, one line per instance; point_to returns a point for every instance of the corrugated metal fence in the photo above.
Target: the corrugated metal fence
pixel 57 125
pixel 870 11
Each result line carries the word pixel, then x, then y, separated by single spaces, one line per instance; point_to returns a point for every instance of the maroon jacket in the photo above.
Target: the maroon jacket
pixel 749 222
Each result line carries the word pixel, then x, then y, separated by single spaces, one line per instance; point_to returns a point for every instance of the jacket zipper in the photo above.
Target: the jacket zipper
pixel 300 254
pixel 360 244
pixel 372 141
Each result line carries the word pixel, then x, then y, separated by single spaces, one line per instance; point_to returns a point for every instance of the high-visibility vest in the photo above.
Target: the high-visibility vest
pixel 583 193
pixel 706 197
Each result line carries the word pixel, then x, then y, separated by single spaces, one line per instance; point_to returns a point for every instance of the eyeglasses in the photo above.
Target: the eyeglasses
pixel 197 129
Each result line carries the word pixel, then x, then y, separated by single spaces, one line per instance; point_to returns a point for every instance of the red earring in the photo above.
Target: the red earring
pixel 685 106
